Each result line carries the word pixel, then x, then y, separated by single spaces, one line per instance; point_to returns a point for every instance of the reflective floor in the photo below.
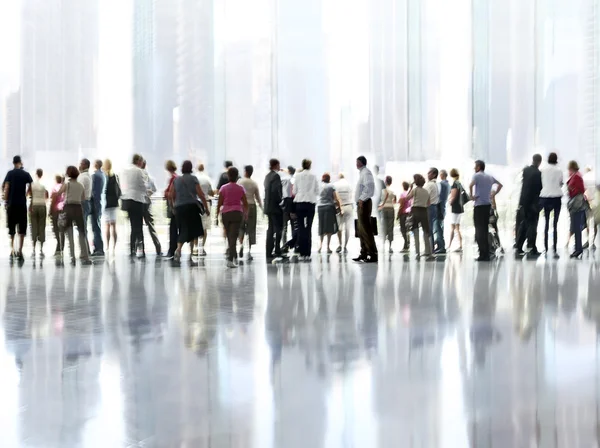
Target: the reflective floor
pixel 328 354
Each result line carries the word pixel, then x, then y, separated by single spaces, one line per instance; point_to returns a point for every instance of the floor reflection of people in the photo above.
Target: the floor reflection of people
pixel 483 333
pixel 17 331
pixel 199 331
pixel 369 327
pixel 592 304
pixel 274 318
pixel 137 318
pixel 527 305
pixel 569 291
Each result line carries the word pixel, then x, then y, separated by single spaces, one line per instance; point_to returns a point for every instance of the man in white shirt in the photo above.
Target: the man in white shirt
pixel 306 190
pixel 134 196
pixel 148 217
pixel 437 234
pixel 287 185
pixel 206 185
pixel 85 179
pixel 346 218
pixel 365 190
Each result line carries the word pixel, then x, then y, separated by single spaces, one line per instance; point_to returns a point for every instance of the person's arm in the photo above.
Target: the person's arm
pixel 499 187
pixel 338 203
pixel 278 189
pixel 471 186
pixel 202 197
pixel 257 199
pixel 383 201
pixel 219 205
pixel 245 205
pixel 453 194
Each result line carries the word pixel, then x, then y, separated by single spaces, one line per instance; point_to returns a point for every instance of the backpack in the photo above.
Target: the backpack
pixel 464 196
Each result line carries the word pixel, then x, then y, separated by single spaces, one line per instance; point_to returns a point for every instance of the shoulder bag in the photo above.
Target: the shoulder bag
pixel 61 220
pixel 577 204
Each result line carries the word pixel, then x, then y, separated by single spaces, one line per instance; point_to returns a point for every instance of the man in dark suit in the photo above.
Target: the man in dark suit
pixel 529 208
pixel 273 210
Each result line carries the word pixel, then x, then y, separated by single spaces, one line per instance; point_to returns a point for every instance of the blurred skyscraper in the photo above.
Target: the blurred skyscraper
pixel 154 79
pixel 59 52
pixel 302 97
pixel 11 126
pixel 196 83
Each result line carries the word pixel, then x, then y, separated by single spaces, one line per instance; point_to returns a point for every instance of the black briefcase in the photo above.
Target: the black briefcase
pixel 373 226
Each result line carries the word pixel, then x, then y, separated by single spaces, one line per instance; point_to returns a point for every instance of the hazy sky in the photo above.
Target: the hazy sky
pixel 9 44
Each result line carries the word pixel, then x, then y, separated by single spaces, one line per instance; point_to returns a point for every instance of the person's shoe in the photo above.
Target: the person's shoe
pixel 577 254
pixel 142 256
pixel 20 256
pixel 459 250
pixel 202 253
pixel 86 262
pixel 405 251
pixel 359 259
pixel 339 250
pixel 429 258
pixel 319 251
pixel 177 256
pixel 556 256
pixel 391 251
pixel 58 254
pixel 249 257
pixel 345 250
pixel 305 259
pixel 586 245
pixel 483 259
pixel 242 252
pixel 593 247
pixel 533 254
pixel 195 253
pixel 98 254
pixel 168 256
pixel 329 251
pixel 440 252
pixel 519 253
pixel 42 255
pixel 231 264
pixel 371 260
pixel 33 254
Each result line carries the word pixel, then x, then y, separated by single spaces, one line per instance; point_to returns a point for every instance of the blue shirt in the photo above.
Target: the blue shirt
pixel 483 184
pixel 444 192
pixel 98 184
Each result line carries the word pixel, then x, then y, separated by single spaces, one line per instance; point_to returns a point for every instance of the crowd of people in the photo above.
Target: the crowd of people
pixel 291 200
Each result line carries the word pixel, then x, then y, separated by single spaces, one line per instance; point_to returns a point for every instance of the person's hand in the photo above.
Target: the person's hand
pixel 207 211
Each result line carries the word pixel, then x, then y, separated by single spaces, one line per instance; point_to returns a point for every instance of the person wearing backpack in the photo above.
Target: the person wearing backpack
pixel 458 198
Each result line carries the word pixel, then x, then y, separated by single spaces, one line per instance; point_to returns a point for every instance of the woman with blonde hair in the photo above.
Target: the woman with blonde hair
pixel 113 193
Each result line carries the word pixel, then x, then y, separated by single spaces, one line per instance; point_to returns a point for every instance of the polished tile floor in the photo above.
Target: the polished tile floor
pixel 327 354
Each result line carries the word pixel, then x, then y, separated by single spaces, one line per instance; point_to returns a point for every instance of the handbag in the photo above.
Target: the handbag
pixel 373 227
pixel 61 220
pixel 577 204
pixel 464 197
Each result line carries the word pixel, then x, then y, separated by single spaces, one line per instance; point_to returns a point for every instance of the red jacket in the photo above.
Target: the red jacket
pixel 575 184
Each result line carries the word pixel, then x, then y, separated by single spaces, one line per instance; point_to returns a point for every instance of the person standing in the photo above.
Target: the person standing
pixel 365 190
pixel 113 194
pixel 420 198
pixel 184 196
pixel 98 189
pixel 482 193
pixel 206 185
pixel 288 198
pixel 306 191
pixel 437 235
pixel 16 184
pixel 233 206
pixel 75 196
pixel 404 211
pixel 148 217
pixel 37 209
pixel 457 208
pixel 551 198
pixel 57 205
pixel 444 189
pixel 171 168
pixel 577 206
pixel 273 210
pixel 386 207
pixel 253 199
pixel 133 184
pixel 346 215
pixel 328 202
pixel 529 207
pixel 85 179
pixel 224 178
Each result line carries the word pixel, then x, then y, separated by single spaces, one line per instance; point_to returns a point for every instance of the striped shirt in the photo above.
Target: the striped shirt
pixel 365 189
